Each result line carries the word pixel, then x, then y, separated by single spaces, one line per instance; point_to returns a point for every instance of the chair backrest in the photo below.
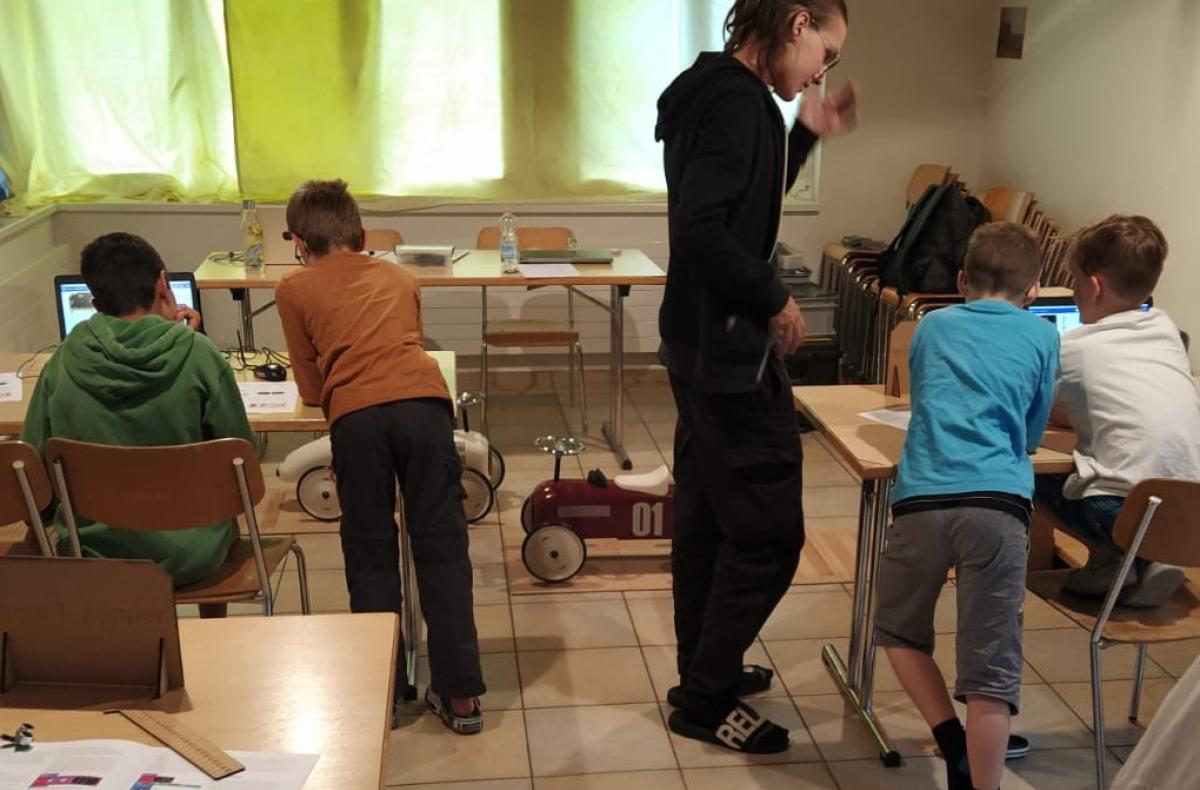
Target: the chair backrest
pixel 528 238
pixel 13 507
pixel 381 239
pixel 155 488
pixel 1173 536
pixel 1006 204
pixel 926 176
pixel 897 383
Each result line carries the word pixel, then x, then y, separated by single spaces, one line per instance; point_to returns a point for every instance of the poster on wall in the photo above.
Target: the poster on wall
pixel 1011 42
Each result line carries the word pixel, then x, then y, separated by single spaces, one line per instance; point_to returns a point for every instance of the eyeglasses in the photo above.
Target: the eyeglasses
pixel 832 56
pixel 287 236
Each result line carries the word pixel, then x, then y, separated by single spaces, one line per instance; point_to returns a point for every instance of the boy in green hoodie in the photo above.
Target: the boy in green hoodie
pixel 134 375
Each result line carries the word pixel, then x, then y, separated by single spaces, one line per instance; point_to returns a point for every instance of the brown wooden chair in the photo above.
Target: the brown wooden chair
pixel 533 332
pixel 1006 204
pixel 925 176
pixel 898 382
pixel 1157 523
pixel 173 488
pixel 381 239
pixel 24 493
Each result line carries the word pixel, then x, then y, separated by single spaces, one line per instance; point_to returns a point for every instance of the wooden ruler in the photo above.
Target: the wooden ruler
pixel 188 744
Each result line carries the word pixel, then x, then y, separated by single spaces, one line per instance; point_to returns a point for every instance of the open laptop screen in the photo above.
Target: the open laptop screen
pixel 1063 312
pixel 75 300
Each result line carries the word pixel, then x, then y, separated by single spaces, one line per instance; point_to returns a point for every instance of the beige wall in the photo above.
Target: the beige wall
pixel 922 67
pixel 1103 115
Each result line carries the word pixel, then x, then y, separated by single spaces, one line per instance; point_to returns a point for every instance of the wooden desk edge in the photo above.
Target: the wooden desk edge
pixel 844 455
pixel 1051 443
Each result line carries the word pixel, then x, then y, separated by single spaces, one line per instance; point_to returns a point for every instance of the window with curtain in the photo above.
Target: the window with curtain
pixel 116 98
pixel 461 100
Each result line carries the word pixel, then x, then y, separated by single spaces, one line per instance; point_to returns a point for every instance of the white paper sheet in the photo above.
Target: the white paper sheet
pixel 897 416
pixel 269 397
pixel 536 271
pixel 125 765
pixel 10 388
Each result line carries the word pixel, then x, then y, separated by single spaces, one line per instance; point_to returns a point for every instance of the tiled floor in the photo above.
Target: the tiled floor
pixel 578 680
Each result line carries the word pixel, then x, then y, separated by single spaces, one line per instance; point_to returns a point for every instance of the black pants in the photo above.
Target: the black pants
pixel 738 529
pixel 409 440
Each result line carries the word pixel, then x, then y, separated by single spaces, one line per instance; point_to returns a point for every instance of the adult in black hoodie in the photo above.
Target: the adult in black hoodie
pixel 726 320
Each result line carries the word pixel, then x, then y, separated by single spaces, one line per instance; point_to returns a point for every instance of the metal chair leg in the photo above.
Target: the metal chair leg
pixel 582 385
pixel 1098 715
pixel 1139 672
pixel 483 386
pixel 571 362
pixel 302 573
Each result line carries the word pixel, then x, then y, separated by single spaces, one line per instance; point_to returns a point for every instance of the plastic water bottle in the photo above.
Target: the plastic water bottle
pixel 253 233
pixel 509 255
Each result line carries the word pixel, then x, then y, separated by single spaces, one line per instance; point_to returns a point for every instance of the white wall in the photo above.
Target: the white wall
pixel 29 260
pixel 1102 116
pixel 922 66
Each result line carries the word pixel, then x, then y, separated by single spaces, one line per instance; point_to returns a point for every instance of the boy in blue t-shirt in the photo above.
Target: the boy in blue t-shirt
pixel 983 378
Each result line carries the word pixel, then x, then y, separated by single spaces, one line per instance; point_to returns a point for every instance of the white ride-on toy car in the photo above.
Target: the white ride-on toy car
pixel 311 467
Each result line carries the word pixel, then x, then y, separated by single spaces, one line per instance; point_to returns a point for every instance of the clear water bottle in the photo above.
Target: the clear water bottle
pixel 252 232
pixel 509 255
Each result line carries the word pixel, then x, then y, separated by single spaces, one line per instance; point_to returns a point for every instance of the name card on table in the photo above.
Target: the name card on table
pixel 269 397
pixel 10 388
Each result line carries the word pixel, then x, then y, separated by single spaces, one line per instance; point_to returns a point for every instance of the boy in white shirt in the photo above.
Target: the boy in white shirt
pixel 1126 387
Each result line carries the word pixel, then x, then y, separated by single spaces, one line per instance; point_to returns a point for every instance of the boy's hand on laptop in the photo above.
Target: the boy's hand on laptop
pixel 192 317
pixel 786 329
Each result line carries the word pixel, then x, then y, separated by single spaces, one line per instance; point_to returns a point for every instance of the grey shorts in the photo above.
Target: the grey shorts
pixel 988 550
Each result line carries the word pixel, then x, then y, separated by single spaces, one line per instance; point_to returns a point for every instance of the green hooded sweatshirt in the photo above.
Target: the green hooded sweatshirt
pixel 141 383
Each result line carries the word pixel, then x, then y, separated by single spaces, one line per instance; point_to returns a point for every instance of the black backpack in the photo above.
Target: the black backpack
pixel 928 252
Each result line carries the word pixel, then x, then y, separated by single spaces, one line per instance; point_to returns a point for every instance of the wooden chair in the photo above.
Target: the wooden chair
pixel 1157 523
pixel 381 239
pixel 173 488
pixel 1006 204
pixel 532 332
pixel 926 176
pixel 24 493
pixel 898 382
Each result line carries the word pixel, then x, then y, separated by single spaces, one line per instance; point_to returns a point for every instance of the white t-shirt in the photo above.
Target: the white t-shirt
pixel 1128 389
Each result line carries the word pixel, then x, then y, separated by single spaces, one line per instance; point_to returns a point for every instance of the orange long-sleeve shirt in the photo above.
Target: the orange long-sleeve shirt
pixel 353 329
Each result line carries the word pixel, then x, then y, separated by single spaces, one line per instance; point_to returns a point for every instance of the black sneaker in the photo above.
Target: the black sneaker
pixel 1018 747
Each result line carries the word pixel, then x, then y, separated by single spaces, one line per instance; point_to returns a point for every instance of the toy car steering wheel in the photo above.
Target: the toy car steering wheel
pixel 559 445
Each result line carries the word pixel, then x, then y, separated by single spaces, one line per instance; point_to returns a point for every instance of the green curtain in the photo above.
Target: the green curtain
pixel 413 102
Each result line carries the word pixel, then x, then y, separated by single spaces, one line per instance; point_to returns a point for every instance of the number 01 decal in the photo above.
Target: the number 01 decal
pixel 647 520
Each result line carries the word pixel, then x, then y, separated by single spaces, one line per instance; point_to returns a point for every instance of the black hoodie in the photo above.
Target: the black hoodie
pixel 724 159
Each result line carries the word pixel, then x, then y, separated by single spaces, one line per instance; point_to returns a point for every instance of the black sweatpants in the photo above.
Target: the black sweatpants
pixel 412 441
pixel 738 529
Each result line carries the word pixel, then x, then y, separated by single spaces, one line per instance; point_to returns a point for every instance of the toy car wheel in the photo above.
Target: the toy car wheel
pixel 318 495
pixel 527 515
pixel 479 499
pixel 495 466
pixel 553 553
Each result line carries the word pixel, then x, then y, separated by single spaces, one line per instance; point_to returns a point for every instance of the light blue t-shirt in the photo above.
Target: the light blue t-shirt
pixel 983 376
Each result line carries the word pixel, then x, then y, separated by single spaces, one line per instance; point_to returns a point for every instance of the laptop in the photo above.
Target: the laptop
pixel 74 300
pixel 1063 312
pixel 566 256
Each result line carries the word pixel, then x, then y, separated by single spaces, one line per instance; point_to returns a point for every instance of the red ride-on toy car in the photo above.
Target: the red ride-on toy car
pixel 560 514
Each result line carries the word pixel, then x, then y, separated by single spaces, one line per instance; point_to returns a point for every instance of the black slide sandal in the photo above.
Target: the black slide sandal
pixel 754 680
pixel 743 730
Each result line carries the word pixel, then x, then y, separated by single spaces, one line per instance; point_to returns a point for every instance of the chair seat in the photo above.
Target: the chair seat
pixel 837 251
pixel 530 332
pixel 1178 618
pixel 655 483
pixel 237 578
